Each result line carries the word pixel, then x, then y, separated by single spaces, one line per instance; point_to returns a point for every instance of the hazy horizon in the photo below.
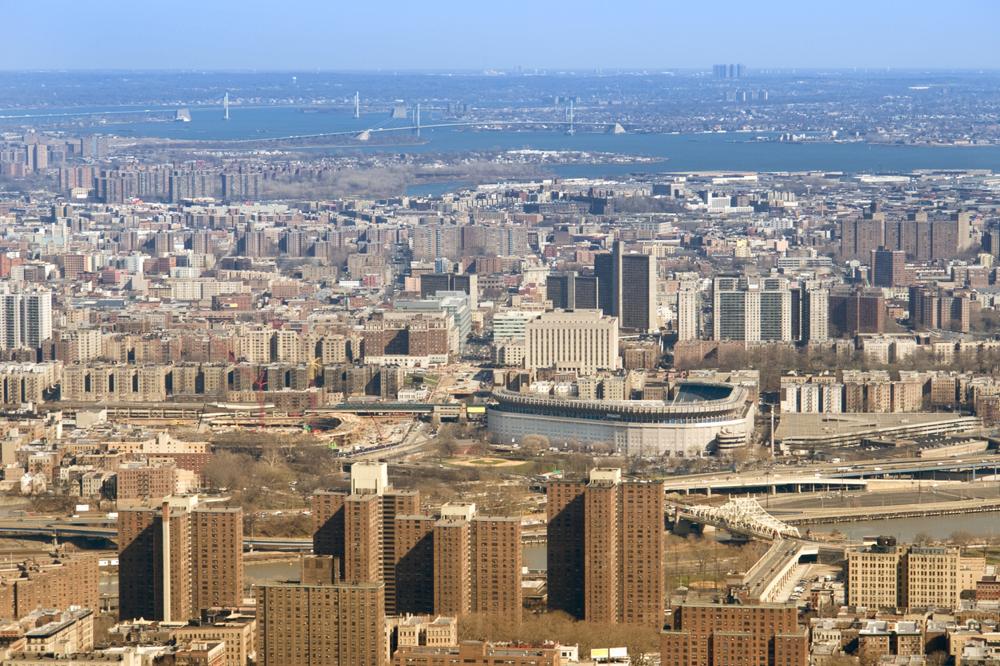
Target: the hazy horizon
pixel 449 36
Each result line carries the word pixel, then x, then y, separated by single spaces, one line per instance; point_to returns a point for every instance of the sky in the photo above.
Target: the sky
pixel 334 35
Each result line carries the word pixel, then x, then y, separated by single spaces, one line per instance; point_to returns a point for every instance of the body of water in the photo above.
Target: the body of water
pixel 679 152
pixel 905 529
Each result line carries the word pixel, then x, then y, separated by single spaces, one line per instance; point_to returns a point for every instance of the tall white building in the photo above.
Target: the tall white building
pixel 584 341
pixel 688 310
pixel 25 318
pixel 752 309
pixel 509 325
pixel 816 314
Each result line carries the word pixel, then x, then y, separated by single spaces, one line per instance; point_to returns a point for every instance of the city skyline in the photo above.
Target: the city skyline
pixel 637 35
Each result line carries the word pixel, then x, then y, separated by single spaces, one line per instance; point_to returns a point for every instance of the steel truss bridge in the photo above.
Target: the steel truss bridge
pixel 743 515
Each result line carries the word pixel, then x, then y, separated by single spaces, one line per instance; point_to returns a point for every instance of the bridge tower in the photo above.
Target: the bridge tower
pixel 416 118
pixel 225 107
pixel 357 104
pixel 569 116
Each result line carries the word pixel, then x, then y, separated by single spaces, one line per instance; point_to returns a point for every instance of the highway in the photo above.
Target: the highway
pixel 840 475
pixel 100 529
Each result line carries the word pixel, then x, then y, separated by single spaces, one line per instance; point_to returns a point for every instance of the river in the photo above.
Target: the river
pixel 678 152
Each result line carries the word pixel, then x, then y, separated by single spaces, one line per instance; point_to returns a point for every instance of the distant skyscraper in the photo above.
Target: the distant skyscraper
pixel 731 71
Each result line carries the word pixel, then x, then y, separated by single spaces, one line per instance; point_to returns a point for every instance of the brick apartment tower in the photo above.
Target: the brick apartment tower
pixel 453 564
pixel 321 623
pixel 609 534
pixel 366 519
pixel 718 634
pixel 178 558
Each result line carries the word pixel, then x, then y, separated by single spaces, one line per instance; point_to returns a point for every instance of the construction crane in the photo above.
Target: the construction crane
pixel 259 385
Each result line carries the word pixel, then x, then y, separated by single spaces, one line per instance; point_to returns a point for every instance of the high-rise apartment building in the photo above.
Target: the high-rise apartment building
pixel 25 318
pixel 59 580
pixel 815 314
pixel 752 309
pixel 725 634
pixel 688 313
pixel 856 311
pixel 565 545
pixel 626 284
pixel 888 268
pixel 941 308
pixel 451 565
pixel 452 577
pixel 584 341
pixel 358 528
pixel 608 534
pixel 413 561
pixel 335 624
pixel 918 235
pixel 177 558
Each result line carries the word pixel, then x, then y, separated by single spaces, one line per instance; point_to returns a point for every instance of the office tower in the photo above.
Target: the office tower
pixel 432 283
pixel 626 284
pixel 634 281
pixel 584 341
pixel 613 530
pixel 688 313
pixel 721 634
pixel 510 325
pixel 888 268
pixel 25 318
pixel 176 557
pixel 604 269
pixel 569 291
pixel 815 315
pixel 334 624
pixel 560 289
pixel 730 71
